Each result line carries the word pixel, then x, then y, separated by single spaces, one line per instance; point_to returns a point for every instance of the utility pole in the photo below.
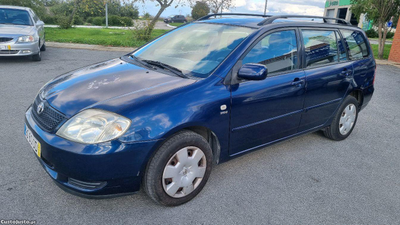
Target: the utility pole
pixel 265 8
pixel 106 15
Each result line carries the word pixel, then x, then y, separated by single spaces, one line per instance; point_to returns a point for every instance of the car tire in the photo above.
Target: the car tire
pixel 344 121
pixel 43 48
pixel 179 169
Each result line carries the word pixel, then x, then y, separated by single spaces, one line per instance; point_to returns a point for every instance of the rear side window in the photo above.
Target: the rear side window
pixel 355 44
pixel 320 47
pixel 278 51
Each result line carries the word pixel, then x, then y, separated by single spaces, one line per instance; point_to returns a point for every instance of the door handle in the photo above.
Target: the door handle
pixel 346 72
pixel 297 82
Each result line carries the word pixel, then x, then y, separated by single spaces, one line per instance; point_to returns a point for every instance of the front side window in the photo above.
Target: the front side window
pixel 196 49
pixel 355 44
pixel 277 51
pixel 15 17
pixel 320 47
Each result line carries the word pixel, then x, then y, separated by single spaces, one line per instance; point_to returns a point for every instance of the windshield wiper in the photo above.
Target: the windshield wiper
pixel 141 61
pixel 172 69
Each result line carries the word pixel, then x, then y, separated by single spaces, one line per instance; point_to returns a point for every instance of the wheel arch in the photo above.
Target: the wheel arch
pixel 358 94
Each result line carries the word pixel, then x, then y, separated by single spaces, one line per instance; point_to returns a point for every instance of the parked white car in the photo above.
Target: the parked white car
pixel 21 32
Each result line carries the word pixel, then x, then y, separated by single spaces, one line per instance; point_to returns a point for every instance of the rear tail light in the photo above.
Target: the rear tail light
pixel 373 81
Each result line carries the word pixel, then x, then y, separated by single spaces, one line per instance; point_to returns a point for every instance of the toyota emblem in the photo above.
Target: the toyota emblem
pixel 40 108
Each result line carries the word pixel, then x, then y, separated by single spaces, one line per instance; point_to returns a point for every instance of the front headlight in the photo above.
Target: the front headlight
pixel 28 38
pixel 94 126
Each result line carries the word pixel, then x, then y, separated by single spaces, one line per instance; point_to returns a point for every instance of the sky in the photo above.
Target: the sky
pixel 298 7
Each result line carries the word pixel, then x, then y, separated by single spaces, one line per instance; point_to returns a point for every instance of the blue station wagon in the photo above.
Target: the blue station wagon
pixel 211 90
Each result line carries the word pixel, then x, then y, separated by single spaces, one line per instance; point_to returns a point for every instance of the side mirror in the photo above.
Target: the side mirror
pixel 253 71
pixel 39 23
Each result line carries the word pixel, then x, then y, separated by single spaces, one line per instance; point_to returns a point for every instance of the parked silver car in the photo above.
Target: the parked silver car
pixel 21 32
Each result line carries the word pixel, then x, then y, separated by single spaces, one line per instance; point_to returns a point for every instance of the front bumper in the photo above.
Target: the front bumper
pixel 20 49
pixel 92 170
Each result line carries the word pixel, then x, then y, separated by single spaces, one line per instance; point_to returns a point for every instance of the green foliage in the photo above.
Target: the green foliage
pixel 47 19
pixel 200 9
pixel 142 30
pixel 146 16
pixel 126 21
pixel 106 37
pixel 78 20
pixel 64 22
pixel 371 33
pixel 385 52
pixel 89 20
pixel 390 35
pixel 123 9
pixel 36 5
pixel 99 21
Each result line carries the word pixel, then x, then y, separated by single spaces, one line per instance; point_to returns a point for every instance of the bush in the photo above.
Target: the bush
pixel 89 20
pixel 390 35
pixel 371 33
pixel 140 30
pixel 47 19
pixel 99 21
pixel 126 21
pixel 114 20
pixel 63 22
pixel 78 20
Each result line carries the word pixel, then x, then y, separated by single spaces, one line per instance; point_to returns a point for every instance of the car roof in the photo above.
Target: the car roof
pixel 255 21
pixel 14 7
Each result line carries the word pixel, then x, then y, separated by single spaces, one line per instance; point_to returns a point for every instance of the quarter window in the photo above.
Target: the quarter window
pixel 355 44
pixel 278 51
pixel 320 47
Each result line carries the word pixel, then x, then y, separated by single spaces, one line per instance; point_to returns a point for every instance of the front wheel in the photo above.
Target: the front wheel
pixel 344 121
pixel 179 169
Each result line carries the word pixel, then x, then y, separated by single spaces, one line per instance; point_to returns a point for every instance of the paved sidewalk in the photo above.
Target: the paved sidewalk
pixel 89 47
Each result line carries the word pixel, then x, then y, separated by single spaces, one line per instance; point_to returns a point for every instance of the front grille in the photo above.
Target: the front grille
pixel 5 39
pixel 86 185
pixel 49 118
pixel 9 52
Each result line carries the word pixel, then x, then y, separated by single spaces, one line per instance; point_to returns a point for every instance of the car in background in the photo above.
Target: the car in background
pixel 21 32
pixel 176 19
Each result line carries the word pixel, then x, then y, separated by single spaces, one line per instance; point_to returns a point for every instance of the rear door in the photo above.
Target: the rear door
pixel 328 75
pixel 267 110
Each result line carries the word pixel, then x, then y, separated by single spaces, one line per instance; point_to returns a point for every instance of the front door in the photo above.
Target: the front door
pixel 268 110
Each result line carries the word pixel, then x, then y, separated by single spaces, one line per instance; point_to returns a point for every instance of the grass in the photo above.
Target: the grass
pixel 175 24
pixel 386 51
pixel 106 37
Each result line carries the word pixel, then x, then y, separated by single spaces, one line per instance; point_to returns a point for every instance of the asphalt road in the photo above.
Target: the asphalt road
pixel 307 180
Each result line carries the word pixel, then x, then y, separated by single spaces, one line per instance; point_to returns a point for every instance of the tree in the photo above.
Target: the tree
pixel 380 12
pixel 220 5
pixel 200 9
pixel 36 5
pixel 163 4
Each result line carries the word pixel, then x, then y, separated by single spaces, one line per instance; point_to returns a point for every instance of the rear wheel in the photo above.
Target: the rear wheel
pixel 179 169
pixel 344 121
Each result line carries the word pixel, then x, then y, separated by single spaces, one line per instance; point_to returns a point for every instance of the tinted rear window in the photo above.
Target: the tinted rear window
pixel 355 44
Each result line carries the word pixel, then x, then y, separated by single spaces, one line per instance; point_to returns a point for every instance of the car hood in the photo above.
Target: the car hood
pixel 106 82
pixel 14 30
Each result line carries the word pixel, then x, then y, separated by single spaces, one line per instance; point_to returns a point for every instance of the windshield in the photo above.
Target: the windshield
pixel 195 49
pixel 15 16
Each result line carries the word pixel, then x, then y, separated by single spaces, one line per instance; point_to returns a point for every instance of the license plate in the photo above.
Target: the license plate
pixel 35 144
pixel 5 47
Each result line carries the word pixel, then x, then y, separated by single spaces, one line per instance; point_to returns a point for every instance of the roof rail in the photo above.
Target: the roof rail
pixel 231 14
pixel 273 18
